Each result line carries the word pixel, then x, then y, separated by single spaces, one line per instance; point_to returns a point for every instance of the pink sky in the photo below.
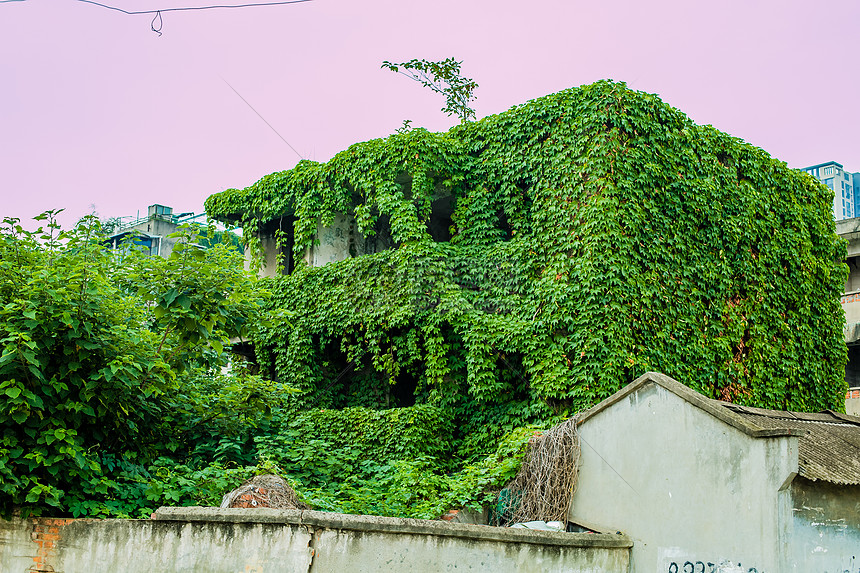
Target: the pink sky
pixel 96 109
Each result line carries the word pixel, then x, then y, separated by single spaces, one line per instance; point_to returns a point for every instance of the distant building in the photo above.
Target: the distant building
pixel 845 186
pixel 152 233
pixel 850 231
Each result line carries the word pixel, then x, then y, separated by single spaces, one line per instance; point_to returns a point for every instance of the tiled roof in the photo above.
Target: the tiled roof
pixel 829 447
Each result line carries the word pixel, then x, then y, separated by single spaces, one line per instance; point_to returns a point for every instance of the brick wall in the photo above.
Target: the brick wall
pixel 46 534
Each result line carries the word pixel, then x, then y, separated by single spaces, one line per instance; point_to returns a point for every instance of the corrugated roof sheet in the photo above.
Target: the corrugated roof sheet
pixel 828 450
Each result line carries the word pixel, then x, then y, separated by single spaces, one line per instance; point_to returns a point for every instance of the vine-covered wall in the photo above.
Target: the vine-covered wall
pixel 597 234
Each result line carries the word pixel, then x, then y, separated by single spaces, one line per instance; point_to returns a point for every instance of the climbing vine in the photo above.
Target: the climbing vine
pixel 597 234
pixel 442 77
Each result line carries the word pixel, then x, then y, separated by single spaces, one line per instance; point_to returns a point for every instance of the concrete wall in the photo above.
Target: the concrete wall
pixel 825 528
pixel 852 401
pixel 849 229
pixel 694 493
pixel 851 307
pixel 265 540
pixel 271 250
pixel 336 242
pixel 161 228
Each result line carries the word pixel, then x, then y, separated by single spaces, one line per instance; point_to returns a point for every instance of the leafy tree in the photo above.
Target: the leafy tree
pixel 443 78
pixel 197 299
pixel 79 369
pixel 87 340
pixel 209 236
pixel 110 225
pixel 105 225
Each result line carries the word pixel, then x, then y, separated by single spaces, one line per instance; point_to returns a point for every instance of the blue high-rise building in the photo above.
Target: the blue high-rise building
pixel 845 186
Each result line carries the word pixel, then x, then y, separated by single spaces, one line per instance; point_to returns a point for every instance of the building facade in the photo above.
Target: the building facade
pixel 152 233
pixel 704 485
pixel 845 186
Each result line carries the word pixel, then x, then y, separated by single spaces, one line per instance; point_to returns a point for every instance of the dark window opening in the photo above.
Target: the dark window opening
pixel 343 385
pixel 381 239
pixel 505 226
pixel 853 282
pixel 282 232
pixel 402 392
pixel 852 368
pixel 243 352
pixel 439 225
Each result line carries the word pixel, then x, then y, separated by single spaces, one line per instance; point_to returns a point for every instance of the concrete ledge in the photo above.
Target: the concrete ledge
pixel 392 525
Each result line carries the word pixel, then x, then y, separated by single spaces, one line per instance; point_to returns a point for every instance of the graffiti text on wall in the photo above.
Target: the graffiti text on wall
pixel 709 567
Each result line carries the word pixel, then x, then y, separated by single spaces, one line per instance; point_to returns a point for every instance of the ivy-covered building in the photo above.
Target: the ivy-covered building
pixel 533 262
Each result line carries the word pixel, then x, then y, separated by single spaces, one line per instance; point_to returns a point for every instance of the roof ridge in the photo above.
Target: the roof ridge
pixel 713 407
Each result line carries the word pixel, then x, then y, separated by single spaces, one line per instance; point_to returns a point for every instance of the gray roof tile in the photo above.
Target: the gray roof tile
pixel 829 447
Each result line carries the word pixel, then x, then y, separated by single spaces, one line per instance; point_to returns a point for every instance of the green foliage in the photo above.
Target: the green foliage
pixel 87 340
pixel 135 491
pixel 208 237
pixel 443 78
pixel 319 447
pixel 78 369
pixel 197 299
pixel 598 234
pixel 421 486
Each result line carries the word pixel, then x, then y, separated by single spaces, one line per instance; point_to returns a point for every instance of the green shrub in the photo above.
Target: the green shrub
pixel 321 447
pixel 91 343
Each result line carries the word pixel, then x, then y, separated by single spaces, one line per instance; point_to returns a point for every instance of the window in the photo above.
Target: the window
pixel 279 238
pixel 440 221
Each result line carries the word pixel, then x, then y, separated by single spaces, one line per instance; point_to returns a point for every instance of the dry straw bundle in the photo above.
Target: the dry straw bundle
pixel 264 491
pixel 544 486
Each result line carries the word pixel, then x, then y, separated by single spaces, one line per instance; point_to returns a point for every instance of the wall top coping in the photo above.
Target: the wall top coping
pixel 715 408
pixel 393 525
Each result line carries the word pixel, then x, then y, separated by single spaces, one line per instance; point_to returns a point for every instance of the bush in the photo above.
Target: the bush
pixel 90 348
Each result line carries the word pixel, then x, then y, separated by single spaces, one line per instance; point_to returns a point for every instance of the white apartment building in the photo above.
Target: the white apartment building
pixel 845 186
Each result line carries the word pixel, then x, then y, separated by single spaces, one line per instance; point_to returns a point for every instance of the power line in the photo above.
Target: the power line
pixel 157 13
pixel 261 117
pixel 186 8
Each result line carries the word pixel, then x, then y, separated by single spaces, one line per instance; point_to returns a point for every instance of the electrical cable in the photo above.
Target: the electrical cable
pixel 157 13
pixel 186 8
pixel 160 23
pixel 261 117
